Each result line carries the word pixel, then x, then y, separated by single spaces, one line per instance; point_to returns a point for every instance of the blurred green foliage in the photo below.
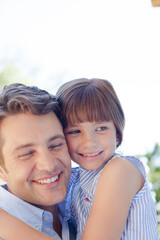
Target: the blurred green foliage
pixel 153 161
pixel 153 158
pixel 10 74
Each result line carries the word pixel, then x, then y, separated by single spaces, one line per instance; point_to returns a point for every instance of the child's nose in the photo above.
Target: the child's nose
pixel 90 138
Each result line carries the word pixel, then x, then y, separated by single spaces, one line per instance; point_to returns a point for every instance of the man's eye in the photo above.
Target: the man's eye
pixel 55 146
pixel 27 154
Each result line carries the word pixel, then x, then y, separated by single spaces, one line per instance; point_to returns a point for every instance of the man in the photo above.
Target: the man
pixel 34 159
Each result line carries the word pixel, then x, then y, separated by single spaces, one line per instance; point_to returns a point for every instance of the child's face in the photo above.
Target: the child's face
pixel 91 143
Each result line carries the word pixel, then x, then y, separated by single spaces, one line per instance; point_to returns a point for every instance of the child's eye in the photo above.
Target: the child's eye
pixel 73 132
pixel 103 128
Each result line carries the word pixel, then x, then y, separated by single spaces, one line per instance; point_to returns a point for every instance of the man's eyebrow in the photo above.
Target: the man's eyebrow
pixel 56 137
pixel 22 147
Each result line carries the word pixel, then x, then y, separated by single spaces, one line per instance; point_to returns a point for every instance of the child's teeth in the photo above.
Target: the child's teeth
pixel 90 155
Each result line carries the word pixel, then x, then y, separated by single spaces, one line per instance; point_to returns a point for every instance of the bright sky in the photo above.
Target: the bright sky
pixel 53 41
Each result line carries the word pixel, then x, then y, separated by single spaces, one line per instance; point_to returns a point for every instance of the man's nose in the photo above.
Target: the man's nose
pixel 46 161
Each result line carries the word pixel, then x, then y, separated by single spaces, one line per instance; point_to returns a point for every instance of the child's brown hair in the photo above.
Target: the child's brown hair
pixel 90 100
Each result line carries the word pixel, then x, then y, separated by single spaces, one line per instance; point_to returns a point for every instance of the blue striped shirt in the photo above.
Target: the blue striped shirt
pixel 141 223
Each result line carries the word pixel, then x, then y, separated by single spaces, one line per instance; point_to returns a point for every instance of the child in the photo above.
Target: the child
pixel 109 194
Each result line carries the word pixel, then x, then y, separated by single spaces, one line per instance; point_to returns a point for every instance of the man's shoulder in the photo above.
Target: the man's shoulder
pixel 4 197
pixel 17 207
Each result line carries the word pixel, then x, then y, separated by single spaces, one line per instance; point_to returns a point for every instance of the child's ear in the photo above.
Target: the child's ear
pixel 3 174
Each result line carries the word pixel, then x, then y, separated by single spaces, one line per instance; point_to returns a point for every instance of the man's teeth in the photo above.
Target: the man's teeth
pixel 48 180
pixel 91 154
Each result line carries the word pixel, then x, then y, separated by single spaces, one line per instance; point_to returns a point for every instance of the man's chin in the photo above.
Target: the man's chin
pixel 52 200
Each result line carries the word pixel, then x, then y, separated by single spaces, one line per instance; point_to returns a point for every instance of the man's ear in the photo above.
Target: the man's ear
pixel 3 174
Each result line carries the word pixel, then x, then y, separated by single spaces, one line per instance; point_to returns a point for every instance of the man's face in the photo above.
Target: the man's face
pixel 36 158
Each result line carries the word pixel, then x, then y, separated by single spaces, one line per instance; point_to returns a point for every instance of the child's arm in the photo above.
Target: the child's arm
pixel 117 185
pixel 11 228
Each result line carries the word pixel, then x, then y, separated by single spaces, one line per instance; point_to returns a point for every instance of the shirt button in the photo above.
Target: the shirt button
pixel 45 218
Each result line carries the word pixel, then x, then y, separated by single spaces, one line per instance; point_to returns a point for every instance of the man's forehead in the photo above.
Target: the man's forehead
pixel 23 128
pixel 30 117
